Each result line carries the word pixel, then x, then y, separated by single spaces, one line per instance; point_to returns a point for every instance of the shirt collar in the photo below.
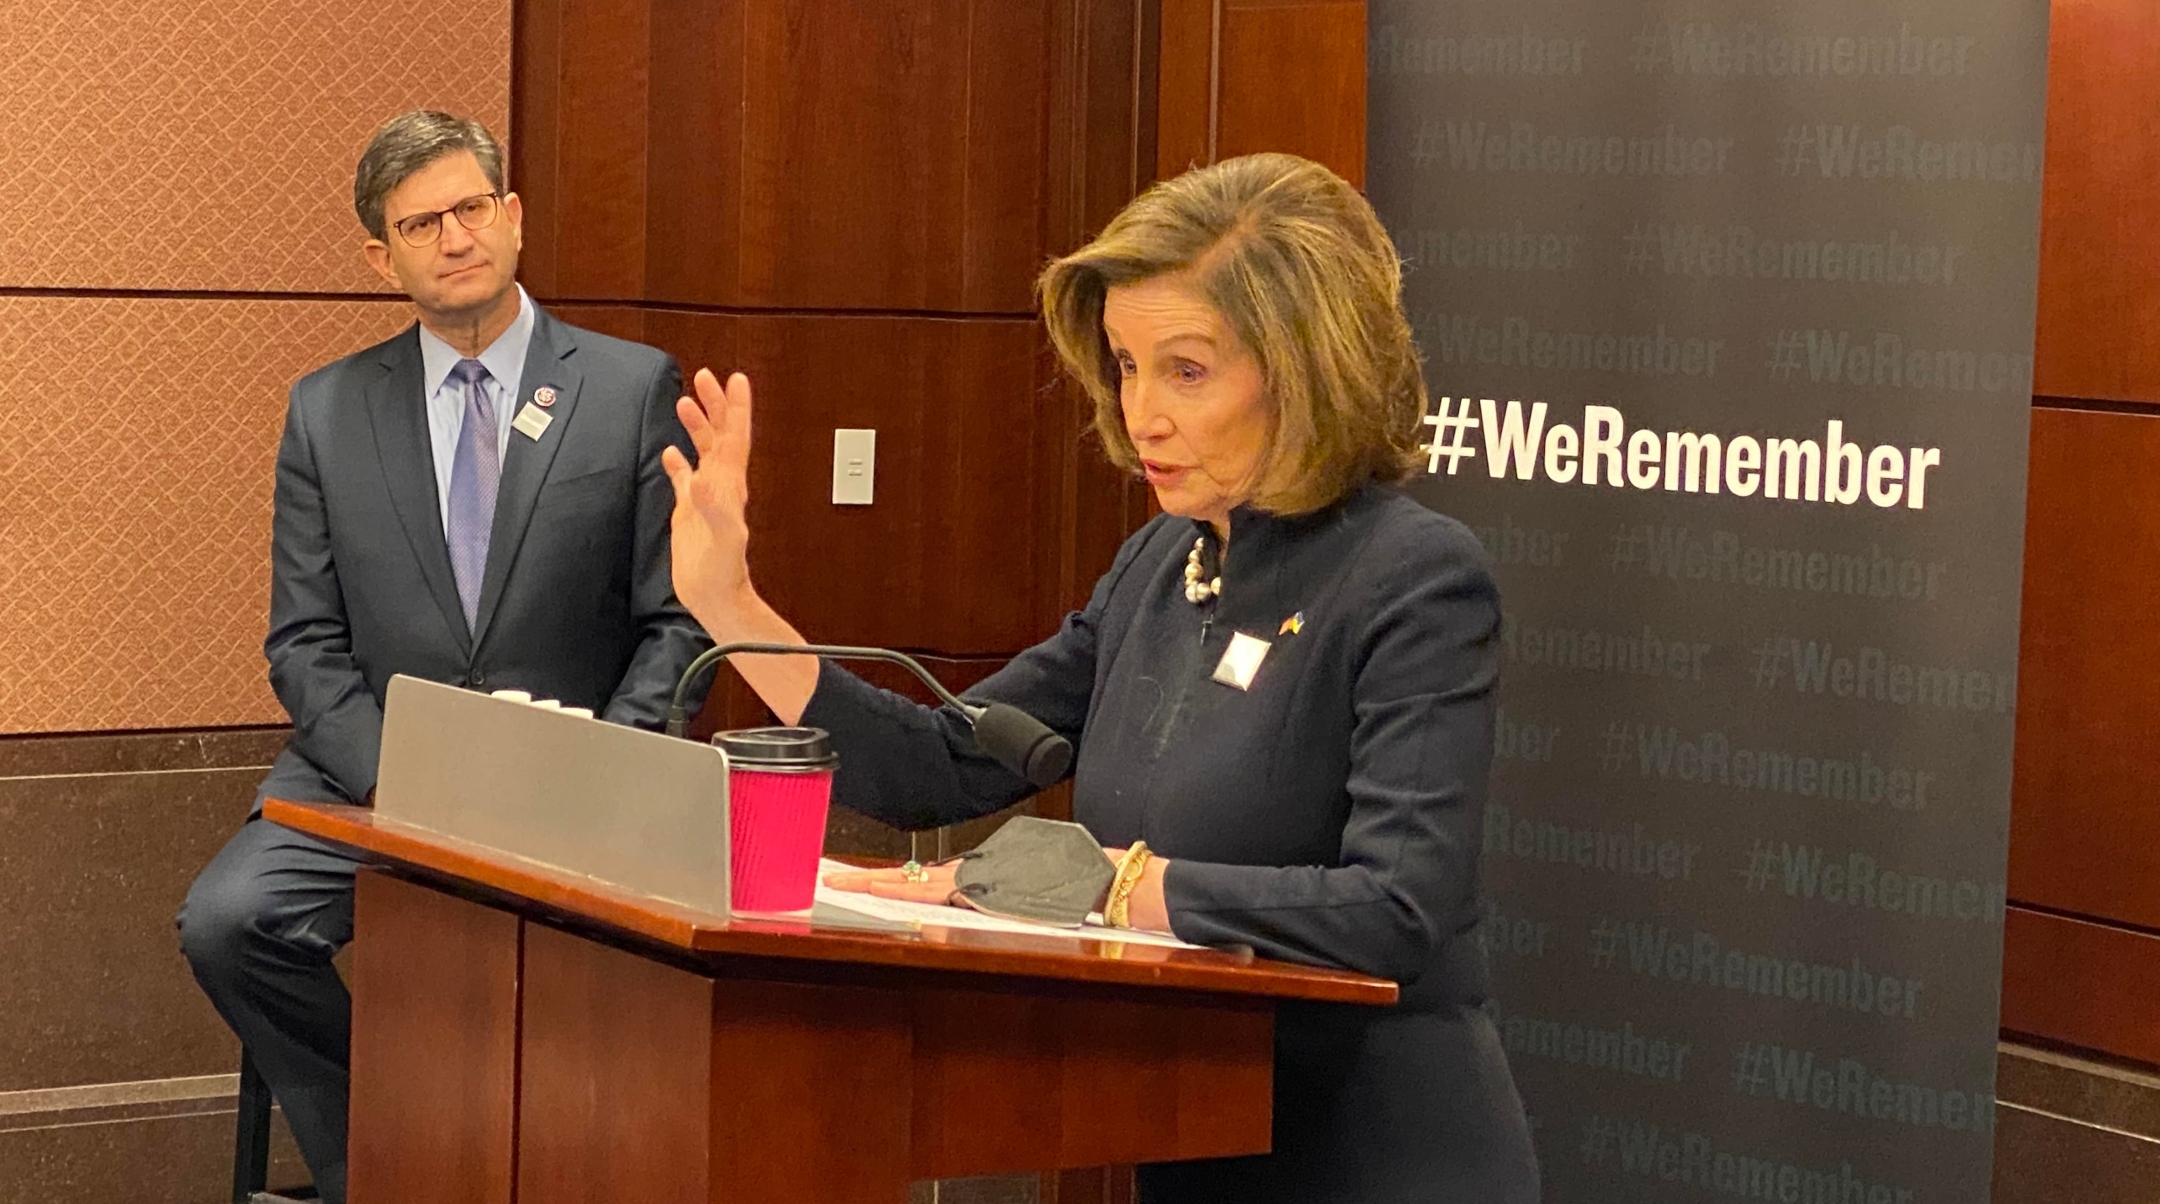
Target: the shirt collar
pixel 504 358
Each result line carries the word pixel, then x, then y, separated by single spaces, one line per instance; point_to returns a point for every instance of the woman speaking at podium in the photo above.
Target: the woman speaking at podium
pixel 1283 687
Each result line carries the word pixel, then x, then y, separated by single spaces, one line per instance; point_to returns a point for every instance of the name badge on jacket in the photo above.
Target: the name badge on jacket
pixel 1241 660
pixel 532 421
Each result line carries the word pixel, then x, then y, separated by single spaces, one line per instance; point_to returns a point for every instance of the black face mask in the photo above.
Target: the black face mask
pixel 1042 870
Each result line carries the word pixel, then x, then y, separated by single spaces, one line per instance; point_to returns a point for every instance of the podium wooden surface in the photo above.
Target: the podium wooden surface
pixel 526 1033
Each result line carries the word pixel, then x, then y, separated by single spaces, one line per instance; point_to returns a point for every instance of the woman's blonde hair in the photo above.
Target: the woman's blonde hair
pixel 1297 263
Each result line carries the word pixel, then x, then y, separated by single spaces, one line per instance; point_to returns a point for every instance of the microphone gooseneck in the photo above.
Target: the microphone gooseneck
pixel 1022 743
pixel 1012 737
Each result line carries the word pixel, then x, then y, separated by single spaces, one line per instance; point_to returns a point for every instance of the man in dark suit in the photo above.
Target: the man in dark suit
pixel 477 501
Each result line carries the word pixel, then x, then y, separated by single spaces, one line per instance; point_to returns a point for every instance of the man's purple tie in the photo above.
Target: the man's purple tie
pixel 475 472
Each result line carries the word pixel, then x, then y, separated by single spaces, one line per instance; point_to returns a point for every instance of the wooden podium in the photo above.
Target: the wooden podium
pixel 525 1033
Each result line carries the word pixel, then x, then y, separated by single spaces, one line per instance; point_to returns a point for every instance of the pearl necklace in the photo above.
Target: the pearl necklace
pixel 1199 592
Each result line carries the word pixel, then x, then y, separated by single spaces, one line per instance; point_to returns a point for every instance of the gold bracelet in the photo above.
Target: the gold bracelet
pixel 1129 869
pixel 1116 905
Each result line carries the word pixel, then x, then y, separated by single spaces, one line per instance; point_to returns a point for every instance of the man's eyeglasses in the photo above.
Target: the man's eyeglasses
pixel 473 213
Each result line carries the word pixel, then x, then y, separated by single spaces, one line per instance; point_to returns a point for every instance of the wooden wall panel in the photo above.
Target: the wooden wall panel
pixel 867 166
pixel 886 154
pixel 2081 983
pixel 1102 153
pixel 1240 76
pixel 534 129
pixel 579 157
pixel 1099 1185
pixel 947 558
pixel 918 128
pixel 700 95
pixel 2085 837
pixel 2099 244
pixel 1101 113
pixel 2085 834
pixel 1292 78
pixel 604 89
pixel 1186 91
pixel 825 183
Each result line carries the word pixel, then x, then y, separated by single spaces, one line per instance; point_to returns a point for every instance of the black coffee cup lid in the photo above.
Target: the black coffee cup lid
pixel 781 749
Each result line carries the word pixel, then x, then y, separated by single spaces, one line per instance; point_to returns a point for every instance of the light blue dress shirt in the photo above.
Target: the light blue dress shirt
pixel 505 362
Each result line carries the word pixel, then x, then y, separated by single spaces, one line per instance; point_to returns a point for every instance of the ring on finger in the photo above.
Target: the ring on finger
pixel 913 871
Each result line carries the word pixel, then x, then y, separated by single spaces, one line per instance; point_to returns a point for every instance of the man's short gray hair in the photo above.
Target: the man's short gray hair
pixel 408 142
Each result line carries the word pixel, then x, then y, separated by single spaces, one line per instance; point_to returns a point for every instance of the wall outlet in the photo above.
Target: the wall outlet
pixel 854 467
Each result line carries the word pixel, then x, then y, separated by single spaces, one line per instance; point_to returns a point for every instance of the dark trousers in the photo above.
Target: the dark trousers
pixel 259 927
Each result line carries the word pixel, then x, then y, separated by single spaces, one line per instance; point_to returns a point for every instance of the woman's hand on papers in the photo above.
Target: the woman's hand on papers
pixel 1146 910
pixel 936 886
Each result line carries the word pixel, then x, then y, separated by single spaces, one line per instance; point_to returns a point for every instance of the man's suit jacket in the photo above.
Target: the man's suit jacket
pixel 576 602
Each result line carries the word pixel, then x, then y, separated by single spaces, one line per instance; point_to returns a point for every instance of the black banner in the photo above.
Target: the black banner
pixel 1727 310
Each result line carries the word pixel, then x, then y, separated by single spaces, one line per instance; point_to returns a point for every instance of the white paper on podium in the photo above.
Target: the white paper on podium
pixel 937 915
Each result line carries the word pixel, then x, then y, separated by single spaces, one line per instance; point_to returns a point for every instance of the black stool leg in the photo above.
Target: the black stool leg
pixel 251 1139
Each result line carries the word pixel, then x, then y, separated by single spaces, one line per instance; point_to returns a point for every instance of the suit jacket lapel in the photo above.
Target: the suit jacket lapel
pixel 548 361
pixel 398 414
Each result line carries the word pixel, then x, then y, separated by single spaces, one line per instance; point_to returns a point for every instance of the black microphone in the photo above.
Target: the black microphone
pixel 1013 738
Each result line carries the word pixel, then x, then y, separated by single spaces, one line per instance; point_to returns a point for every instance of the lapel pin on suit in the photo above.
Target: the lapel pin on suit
pixel 533 420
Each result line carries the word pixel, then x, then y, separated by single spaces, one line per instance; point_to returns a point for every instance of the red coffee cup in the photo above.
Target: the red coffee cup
pixel 779 788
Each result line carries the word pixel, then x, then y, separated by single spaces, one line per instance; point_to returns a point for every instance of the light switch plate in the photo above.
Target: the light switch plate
pixel 854 467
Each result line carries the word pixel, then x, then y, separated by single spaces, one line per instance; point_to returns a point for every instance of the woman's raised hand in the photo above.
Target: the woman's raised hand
pixel 710 536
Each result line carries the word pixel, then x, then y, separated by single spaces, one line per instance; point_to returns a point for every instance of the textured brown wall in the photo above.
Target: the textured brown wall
pixel 177 245
pixel 191 166
pixel 148 144
pixel 137 472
